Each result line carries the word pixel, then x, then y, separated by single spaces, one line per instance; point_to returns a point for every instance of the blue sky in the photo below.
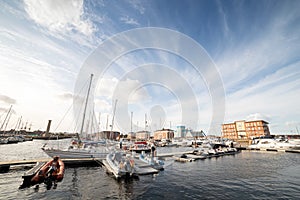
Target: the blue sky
pixel 254 46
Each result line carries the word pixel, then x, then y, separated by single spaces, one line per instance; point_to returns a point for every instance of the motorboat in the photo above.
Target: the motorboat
pixel 120 164
pixel 271 143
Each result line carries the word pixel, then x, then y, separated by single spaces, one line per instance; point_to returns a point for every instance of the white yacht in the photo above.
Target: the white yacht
pixel 271 143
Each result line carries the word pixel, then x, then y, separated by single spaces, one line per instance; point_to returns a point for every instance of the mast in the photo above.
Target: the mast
pixel 145 122
pixel 113 118
pixel 112 121
pixel 99 125
pixel 5 118
pixel 85 106
pixel 17 124
pixel 131 122
pixel 107 122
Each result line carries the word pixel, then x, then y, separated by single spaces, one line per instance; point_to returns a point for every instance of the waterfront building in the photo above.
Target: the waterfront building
pixel 245 129
pixel 142 135
pixel 131 136
pixel 181 131
pixel 198 134
pixel 166 134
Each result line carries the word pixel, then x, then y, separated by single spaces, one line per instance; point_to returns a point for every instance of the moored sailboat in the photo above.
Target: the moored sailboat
pixel 83 149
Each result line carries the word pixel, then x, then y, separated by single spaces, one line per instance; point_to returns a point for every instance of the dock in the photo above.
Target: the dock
pixel 272 149
pixel 141 168
pixel 70 162
pixel 162 155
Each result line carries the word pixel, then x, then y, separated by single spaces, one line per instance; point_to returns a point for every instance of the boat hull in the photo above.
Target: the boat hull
pixel 75 153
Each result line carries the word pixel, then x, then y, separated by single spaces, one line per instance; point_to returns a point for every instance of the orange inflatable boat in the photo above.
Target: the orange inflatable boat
pixel 52 170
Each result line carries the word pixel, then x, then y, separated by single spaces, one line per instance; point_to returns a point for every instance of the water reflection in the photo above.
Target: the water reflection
pixel 74 185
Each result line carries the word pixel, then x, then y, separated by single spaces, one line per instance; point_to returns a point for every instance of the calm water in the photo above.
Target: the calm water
pixel 247 175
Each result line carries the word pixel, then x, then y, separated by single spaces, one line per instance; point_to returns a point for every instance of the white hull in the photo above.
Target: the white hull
pixel 79 153
pixel 273 144
pixel 120 165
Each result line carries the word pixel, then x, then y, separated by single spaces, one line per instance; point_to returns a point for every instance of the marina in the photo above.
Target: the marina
pixel 149 100
pixel 216 177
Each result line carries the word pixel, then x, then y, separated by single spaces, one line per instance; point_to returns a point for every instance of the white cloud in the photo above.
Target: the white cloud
pixel 128 20
pixel 105 87
pixel 7 99
pixel 131 90
pixel 137 4
pixel 261 74
pixel 34 85
pixel 65 96
pixel 60 16
pixel 274 99
pixel 257 116
pixel 103 105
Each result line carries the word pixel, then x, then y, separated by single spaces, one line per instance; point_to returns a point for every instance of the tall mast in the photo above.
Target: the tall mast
pixel 17 124
pixel 113 118
pixel 7 120
pixel 131 122
pixel 85 106
pixel 107 122
pixel 5 117
pixel 18 127
pixel 145 122
pixel 99 125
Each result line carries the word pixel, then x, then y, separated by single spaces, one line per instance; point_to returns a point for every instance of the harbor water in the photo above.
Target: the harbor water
pixel 246 175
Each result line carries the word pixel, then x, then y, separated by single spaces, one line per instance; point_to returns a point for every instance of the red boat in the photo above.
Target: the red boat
pixel 52 171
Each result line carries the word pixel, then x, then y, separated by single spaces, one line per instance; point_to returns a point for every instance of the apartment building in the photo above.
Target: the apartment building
pixel 245 129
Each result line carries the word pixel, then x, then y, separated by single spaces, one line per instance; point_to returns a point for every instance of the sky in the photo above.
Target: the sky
pixel 169 63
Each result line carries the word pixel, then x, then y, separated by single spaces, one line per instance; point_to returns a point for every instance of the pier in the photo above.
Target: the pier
pixel 78 162
pixel 272 149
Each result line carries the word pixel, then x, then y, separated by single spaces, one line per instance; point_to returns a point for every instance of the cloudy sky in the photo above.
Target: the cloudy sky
pixel 248 63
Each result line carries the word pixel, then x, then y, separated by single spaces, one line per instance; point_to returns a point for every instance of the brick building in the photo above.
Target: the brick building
pixel 167 134
pixel 245 129
pixel 142 135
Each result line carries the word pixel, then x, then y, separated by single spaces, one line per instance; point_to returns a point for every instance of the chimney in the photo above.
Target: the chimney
pixel 48 129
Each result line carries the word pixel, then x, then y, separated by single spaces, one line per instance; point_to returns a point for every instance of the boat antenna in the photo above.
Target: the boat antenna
pixel 85 106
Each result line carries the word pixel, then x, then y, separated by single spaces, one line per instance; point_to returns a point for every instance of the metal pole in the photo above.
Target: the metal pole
pixel 86 102
pixel 131 122
pixel 5 117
